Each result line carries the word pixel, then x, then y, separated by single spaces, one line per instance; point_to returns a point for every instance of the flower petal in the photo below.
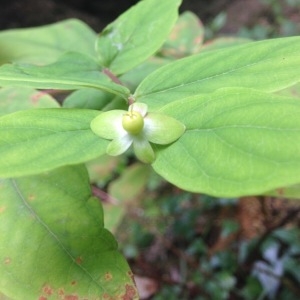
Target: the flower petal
pixel 108 125
pixel 162 129
pixel 142 108
pixel 119 145
pixel 143 150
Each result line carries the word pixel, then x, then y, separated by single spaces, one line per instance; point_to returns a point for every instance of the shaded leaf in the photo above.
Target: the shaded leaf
pixel 116 103
pixel 114 213
pixel 88 98
pixel 223 42
pixel 131 183
pixel 38 140
pixel 102 169
pixel 136 34
pixel 94 99
pixel 186 37
pixel 43 45
pixel 53 241
pixel 133 78
pixel 269 65
pixel 71 71
pixel 237 142
pixel 13 99
pixel 125 191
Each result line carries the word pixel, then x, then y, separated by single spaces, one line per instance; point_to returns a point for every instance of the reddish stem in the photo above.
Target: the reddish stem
pixel 112 76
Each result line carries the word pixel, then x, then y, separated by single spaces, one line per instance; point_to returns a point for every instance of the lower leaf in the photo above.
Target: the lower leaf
pixel 53 244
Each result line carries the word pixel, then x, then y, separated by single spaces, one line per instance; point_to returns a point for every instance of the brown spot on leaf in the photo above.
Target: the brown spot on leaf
pixel 130 274
pixel 108 276
pixel 36 97
pixel 31 197
pixel 47 290
pixel 74 282
pixel 71 297
pixel 61 293
pixel 78 260
pixel 43 298
pixel 2 209
pixel 280 192
pixel 7 260
pixel 198 40
pixel 130 292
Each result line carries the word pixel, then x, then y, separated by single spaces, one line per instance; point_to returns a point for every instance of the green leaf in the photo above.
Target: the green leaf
pixel 94 99
pixel 4 297
pixel 126 191
pixel 102 169
pixel 237 142
pixel 132 182
pixel 292 91
pixel 133 78
pixel 136 34
pixel 43 45
pixel 102 172
pixel 71 71
pixel 12 100
pixel 114 213
pixel 223 42
pixel 269 65
pixel 53 241
pixel 292 192
pixel 88 98
pixel 186 37
pixel 39 140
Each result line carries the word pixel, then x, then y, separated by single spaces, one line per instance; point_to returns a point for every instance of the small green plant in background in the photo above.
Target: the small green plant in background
pixel 192 245
pixel 77 108
pixel 281 18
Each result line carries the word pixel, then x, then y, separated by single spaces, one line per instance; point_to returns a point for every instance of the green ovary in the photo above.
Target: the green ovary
pixel 133 122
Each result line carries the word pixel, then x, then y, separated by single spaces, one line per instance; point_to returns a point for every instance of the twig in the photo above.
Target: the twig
pixel 103 196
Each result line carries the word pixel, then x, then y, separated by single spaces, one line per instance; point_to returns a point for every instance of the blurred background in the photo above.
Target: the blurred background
pixel 182 245
pixel 255 18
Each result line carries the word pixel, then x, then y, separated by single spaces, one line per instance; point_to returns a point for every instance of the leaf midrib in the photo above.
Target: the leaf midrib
pixel 45 226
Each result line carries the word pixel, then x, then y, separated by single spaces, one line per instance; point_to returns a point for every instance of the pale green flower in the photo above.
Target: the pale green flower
pixel 138 128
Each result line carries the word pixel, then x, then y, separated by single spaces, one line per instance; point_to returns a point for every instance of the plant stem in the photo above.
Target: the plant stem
pixel 112 76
